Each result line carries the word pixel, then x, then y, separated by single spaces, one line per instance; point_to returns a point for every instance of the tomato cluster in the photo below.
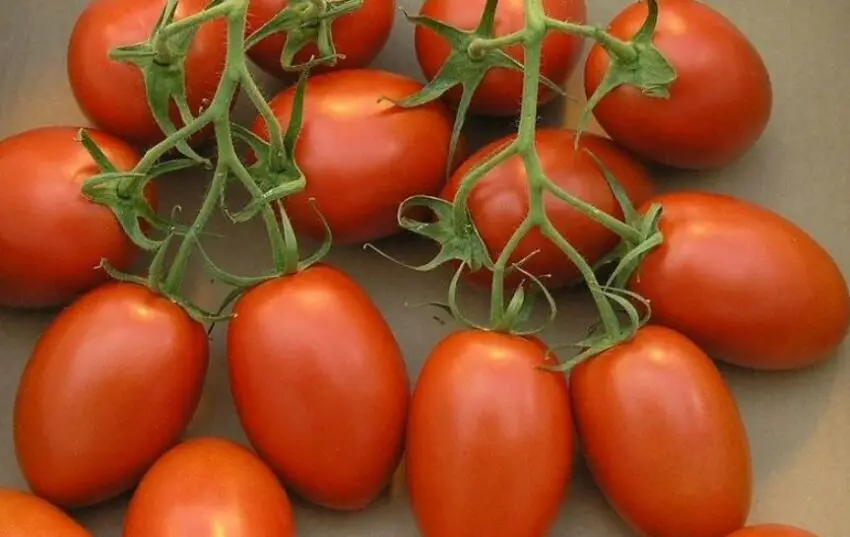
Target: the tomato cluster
pixel 487 436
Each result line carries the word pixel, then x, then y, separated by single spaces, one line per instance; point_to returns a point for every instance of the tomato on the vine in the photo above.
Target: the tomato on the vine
pixel 363 155
pixel 320 385
pixel 112 93
pixel 500 93
pixel 111 385
pixel 719 104
pixel 209 487
pixel 772 530
pixel 25 515
pixel 663 436
pixel 490 444
pixel 499 202
pixel 748 286
pixel 52 238
pixel 358 36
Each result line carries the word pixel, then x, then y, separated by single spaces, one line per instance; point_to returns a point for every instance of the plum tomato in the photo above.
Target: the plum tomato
pixel 111 385
pixel 209 487
pixel 112 93
pixel 362 156
pixel 490 444
pixel 499 202
pixel 53 238
pixel 25 515
pixel 747 285
pixel 328 413
pixel 500 93
pixel 663 437
pixel 719 105
pixel 772 530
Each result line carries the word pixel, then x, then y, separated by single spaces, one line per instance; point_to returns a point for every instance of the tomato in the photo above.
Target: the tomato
pixel 320 386
pixel 111 385
pixel 111 93
pixel 362 157
pixel 663 437
pixel 499 202
pixel 490 444
pixel 51 236
pixel 719 105
pixel 747 285
pixel 359 36
pixel 500 93
pixel 25 515
pixel 772 530
pixel 209 487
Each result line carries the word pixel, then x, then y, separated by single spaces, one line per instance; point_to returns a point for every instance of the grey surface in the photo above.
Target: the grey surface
pixel 799 422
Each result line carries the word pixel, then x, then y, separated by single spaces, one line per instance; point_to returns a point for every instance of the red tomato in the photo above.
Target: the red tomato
pixel 111 385
pixel 25 515
pixel 663 437
pixel 209 487
pixel 500 93
pixel 747 285
pixel 490 440
pixel 320 386
pixel 772 530
pixel 363 157
pixel 51 236
pixel 499 203
pixel 719 104
pixel 359 36
pixel 112 93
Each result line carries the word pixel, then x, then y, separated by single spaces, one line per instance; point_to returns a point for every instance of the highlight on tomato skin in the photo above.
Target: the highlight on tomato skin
pixel 22 514
pixel 772 530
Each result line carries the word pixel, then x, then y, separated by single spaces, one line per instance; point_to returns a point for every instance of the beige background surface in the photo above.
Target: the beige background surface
pixel 799 422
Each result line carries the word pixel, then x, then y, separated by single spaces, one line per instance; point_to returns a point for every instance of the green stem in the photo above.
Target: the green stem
pixel 625 231
pixel 252 90
pixel 623 50
pixel 220 10
pixel 479 47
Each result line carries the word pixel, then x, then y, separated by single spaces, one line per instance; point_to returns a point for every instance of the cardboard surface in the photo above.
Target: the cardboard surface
pixel 799 423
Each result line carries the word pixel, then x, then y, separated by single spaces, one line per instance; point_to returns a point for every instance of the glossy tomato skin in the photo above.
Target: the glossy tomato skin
pixel 499 203
pixel 748 286
pixel 772 530
pixel 111 385
pixel 209 487
pixel 490 444
pixel 26 515
pixel 719 105
pixel 500 93
pixel 52 237
pixel 112 93
pixel 362 157
pixel 320 386
pixel 359 36
pixel 663 437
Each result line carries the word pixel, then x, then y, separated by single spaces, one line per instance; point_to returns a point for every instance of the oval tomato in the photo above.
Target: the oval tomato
pixel 490 440
pixel 111 93
pixel 499 202
pixel 111 385
pixel 359 36
pixel 772 530
pixel 52 238
pixel 709 120
pixel 25 515
pixel 320 386
pixel 747 285
pixel 500 93
pixel 663 437
pixel 362 155
pixel 209 487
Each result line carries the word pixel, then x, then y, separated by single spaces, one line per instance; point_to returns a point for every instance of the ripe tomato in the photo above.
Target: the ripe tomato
pixel 209 487
pixel 363 157
pixel 719 104
pixel 359 36
pixel 111 385
pixel 111 93
pixel 747 285
pixel 772 530
pixel 320 386
pixel 499 202
pixel 663 437
pixel 25 515
pixel 51 236
pixel 490 443
pixel 500 93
